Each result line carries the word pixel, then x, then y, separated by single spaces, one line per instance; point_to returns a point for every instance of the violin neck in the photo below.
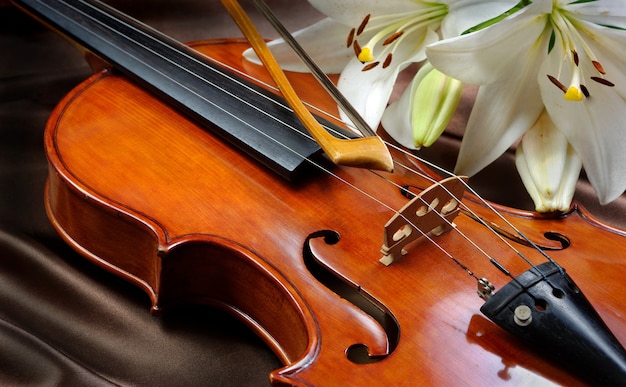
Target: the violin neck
pixel 214 98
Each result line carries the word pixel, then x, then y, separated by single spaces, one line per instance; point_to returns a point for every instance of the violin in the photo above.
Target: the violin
pixel 182 170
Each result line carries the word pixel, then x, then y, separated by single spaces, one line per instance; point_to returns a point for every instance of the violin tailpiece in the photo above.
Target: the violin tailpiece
pixel 545 309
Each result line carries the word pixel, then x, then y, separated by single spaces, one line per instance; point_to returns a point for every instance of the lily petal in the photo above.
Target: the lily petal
pixel 352 12
pixel 465 14
pixel 320 41
pixel 502 113
pixel 397 117
pixel 548 166
pixel 595 129
pixel 369 91
pixel 602 12
pixel 487 55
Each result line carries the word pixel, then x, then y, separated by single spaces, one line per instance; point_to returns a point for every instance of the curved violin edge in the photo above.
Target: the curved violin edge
pixel 211 270
pixel 68 205
pixel 236 280
pixel 554 241
pixel 137 249
pixel 575 208
pixel 62 209
pixel 594 221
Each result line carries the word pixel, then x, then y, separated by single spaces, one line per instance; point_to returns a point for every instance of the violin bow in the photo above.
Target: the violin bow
pixel 356 118
pixel 364 152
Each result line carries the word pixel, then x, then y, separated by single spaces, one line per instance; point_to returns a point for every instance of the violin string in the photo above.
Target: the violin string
pixel 429 178
pixel 478 218
pixel 316 164
pixel 423 175
pixel 491 259
pixel 354 117
pixel 492 209
pixel 488 205
pixel 141 32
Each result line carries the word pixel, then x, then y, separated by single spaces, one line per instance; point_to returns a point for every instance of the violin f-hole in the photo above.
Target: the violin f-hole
pixel 358 352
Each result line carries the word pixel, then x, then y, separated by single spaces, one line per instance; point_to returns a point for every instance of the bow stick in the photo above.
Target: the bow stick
pixel 364 152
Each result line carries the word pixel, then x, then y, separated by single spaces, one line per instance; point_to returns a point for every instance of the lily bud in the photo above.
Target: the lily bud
pixel 434 102
pixel 425 109
pixel 548 165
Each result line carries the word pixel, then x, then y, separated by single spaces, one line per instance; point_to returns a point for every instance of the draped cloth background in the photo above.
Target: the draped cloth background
pixel 64 320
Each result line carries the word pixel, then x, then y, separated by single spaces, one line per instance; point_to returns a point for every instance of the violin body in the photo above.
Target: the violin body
pixel 146 193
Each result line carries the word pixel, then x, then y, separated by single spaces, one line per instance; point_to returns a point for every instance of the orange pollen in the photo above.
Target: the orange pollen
pixel 350 38
pixel 603 81
pixel 387 61
pixel 357 48
pixel 598 67
pixel 557 83
pixel 366 20
pixel 370 66
pixel 393 37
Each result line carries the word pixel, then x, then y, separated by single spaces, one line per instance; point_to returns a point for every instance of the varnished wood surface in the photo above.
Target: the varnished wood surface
pixel 188 219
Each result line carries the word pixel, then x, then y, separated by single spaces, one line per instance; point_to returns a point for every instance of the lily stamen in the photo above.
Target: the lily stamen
pixel 598 67
pixel 370 66
pixel 603 81
pixel 584 90
pixel 557 83
pixel 570 38
pixel 350 38
pixel 391 30
pixel 363 24
pixel 357 48
pixel 387 61
pixel 393 38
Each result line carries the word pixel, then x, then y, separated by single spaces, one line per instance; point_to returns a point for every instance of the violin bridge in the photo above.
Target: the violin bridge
pixel 432 211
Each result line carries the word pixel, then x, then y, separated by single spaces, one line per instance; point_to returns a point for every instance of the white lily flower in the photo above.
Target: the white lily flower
pixel 548 165
pixel 370 41
pixel 556 55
